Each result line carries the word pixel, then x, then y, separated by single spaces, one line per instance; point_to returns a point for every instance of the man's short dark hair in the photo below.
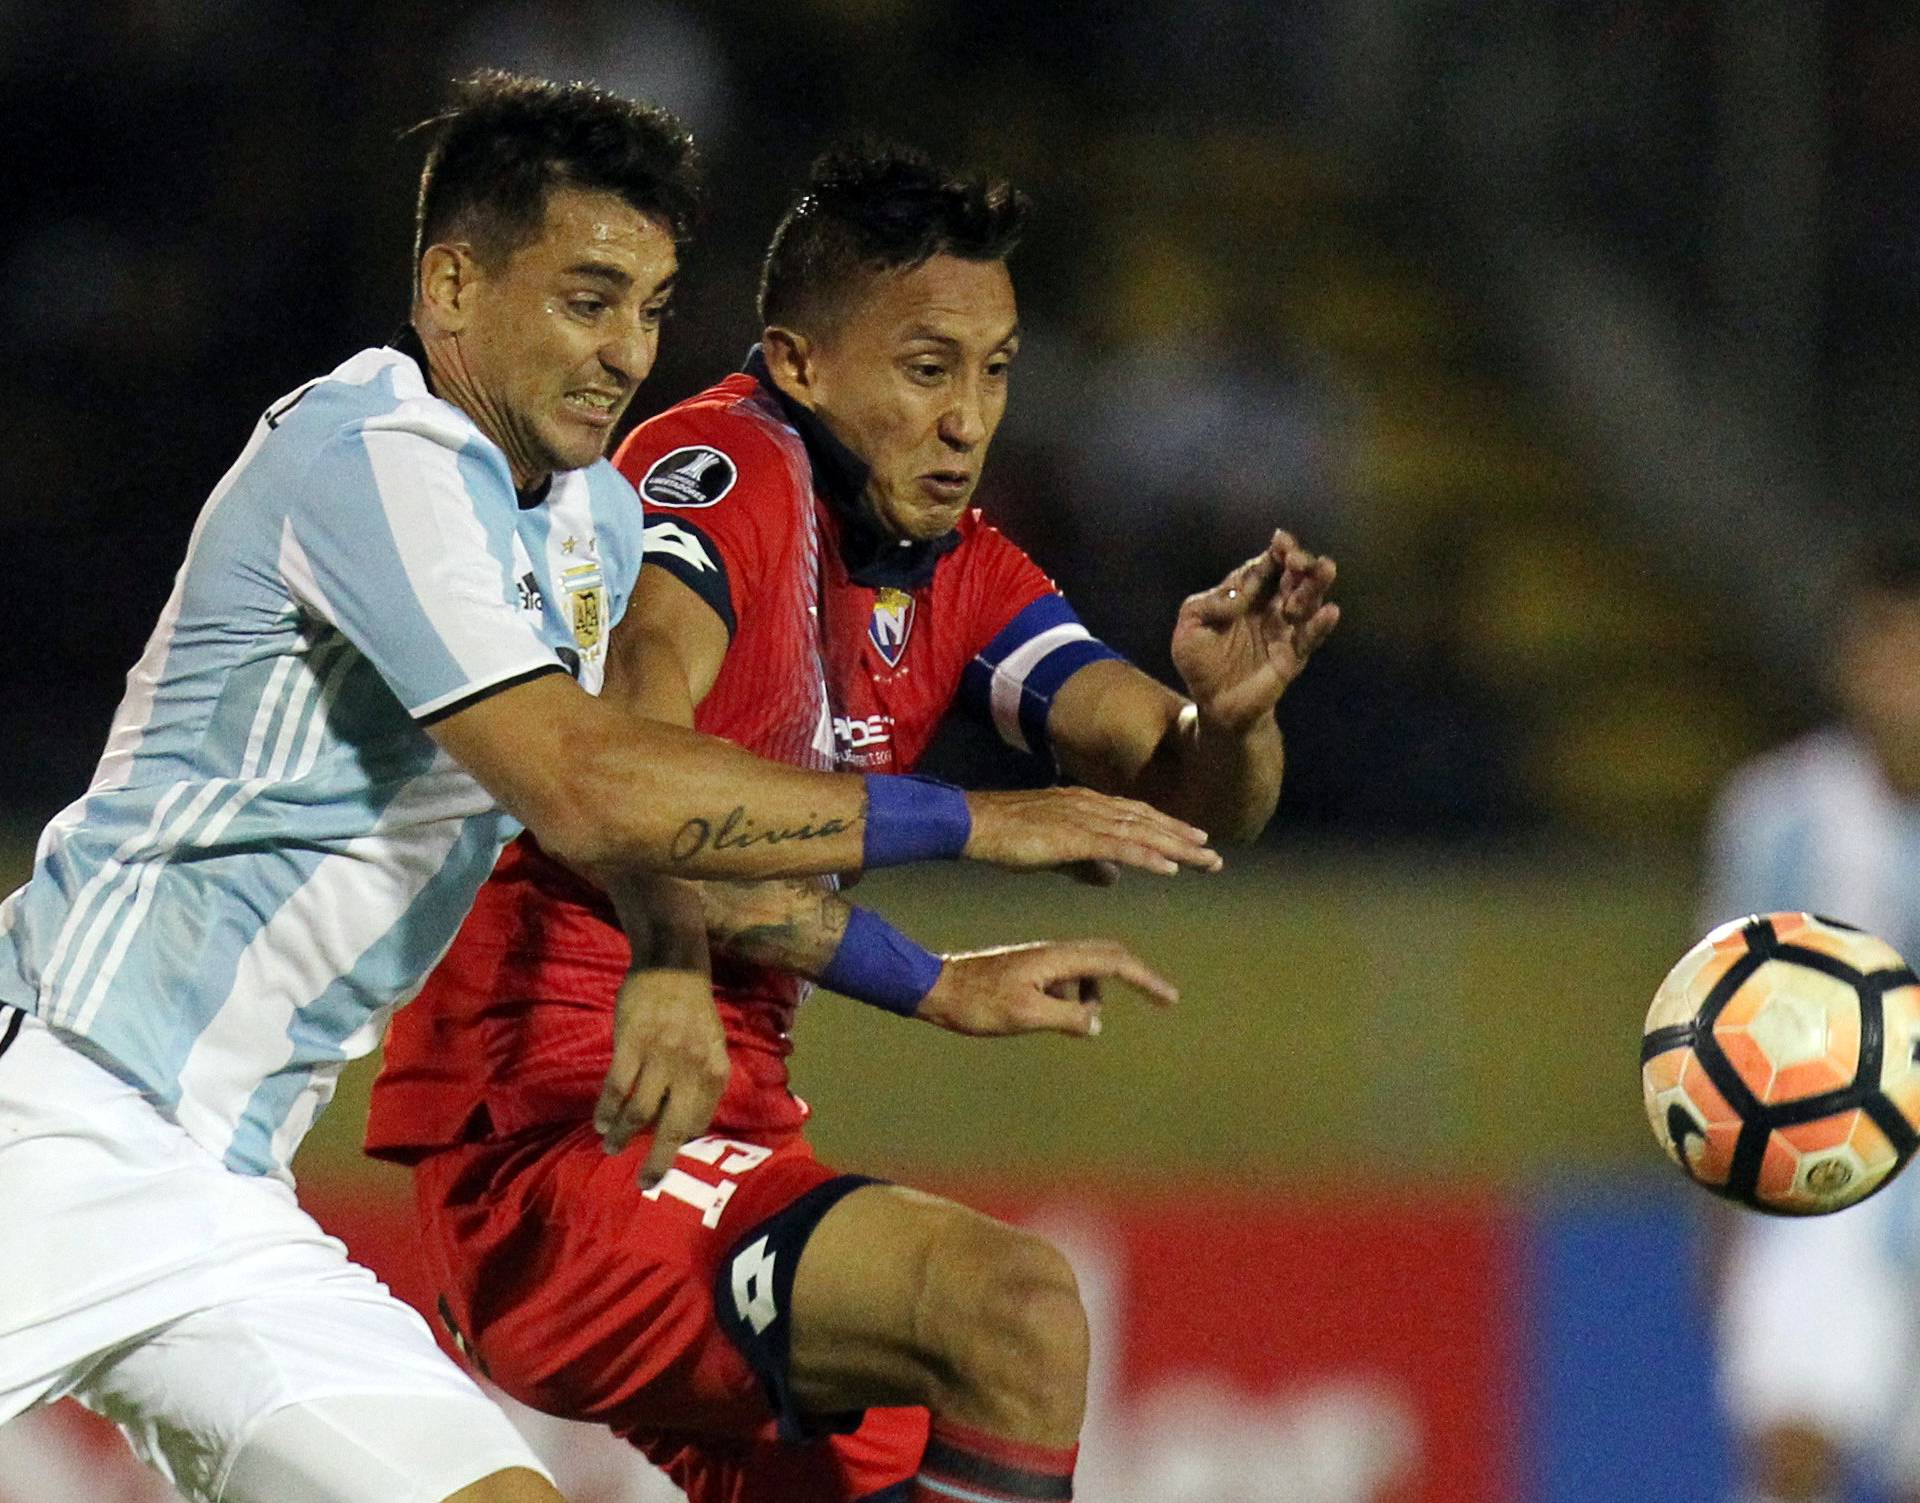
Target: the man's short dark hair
pixel 870 208
pixel 503 142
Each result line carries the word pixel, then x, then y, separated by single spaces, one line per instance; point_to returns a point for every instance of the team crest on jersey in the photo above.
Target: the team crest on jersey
pixel 892 620
pixel 586 596
pixel 691 476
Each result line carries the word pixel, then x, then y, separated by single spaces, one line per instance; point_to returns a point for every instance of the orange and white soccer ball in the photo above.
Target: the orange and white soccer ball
pixel 1779 1063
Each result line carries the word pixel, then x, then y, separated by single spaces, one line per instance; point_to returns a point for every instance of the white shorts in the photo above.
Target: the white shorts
pixel 206 1314
pixel 1820 1325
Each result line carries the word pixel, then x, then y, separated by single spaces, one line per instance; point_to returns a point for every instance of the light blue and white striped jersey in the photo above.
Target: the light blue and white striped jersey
pixel 273 852
pixel 1814 827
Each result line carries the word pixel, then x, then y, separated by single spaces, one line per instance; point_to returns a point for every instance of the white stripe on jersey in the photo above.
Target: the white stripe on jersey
pixel 263 716
pixel 143 679
pixel 323 673
pixel 1010 676
pixel 143 873
pixel 133 874
pixel 127 733
pixel 136 883
pixel 428 510
pixel 320 1085
pixel 143 682
pixel 345 905
pixel 78 913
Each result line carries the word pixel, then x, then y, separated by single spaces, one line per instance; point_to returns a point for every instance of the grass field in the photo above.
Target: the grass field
pixel 1394 1016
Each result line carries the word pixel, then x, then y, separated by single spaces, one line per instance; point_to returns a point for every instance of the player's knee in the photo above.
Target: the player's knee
pixel 1002 1317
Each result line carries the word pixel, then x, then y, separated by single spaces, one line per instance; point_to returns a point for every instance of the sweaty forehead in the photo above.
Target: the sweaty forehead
pixel 603 227
pixel 945 297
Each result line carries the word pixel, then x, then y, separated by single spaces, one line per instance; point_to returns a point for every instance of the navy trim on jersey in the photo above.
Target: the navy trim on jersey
pixel 436 716
pixel 15 1017
pixel 689 555
pixel 1012 681
pixel 874 559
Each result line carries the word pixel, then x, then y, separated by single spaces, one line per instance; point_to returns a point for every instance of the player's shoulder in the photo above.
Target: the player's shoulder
pixel 1778 784
pixel 985 556
pixel 374 419
pixel 379 390
pixel 359 440
pixel 727 441
pixel 1823 757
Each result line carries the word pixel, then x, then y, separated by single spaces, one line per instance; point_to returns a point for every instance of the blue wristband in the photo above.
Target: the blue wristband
pixel 879 965
pixel 913 819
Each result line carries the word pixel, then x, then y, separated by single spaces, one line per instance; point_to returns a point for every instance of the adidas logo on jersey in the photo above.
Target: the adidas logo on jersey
pixel 693 475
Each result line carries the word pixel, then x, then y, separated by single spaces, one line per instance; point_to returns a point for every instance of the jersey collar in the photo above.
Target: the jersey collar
pixel 873 559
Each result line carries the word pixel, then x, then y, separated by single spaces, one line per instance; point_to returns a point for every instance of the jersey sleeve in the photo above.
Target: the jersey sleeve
pixel 1028 641
pixel 400 535
pixel 717 493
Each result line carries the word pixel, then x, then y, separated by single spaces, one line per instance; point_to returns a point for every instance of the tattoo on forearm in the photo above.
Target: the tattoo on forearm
pixel 736 831
pixel 795 926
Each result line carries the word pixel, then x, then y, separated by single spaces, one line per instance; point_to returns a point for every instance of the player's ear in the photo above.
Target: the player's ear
pixel 792 359
pixel 448 275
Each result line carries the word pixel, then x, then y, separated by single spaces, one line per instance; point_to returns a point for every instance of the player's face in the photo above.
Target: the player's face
pixel 563 332
pixel 913 379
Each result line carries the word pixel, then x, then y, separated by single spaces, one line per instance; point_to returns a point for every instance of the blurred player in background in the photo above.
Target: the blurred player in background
pixel 1820 1318
pixel 392 617
pixel 819 589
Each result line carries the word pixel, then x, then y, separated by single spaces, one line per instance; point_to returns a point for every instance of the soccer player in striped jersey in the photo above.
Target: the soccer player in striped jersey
pixel 1819 1316
pixel 382 650
pixel 747 1316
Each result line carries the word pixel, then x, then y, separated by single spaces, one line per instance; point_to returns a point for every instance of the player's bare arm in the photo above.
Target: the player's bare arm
pixel 1055 987
pixel 607 793
pixel 669 1050
pixel 663 669
pixel 1215 756
pixel 1039 987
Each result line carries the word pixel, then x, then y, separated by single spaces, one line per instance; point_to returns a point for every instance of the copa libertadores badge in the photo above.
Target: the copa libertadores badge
pixel 691 476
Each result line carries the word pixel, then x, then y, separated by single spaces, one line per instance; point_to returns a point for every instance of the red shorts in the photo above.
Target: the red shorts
pixel 661 1316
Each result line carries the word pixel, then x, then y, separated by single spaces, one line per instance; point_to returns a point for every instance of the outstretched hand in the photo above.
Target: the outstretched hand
pixel 1036 829
pixel 1037 988
pixel 1239 645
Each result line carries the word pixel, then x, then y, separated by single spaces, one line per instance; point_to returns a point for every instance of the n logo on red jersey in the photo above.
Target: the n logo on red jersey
pixel 891 622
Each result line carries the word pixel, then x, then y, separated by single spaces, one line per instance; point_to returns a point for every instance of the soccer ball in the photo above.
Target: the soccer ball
pixel 1779 1063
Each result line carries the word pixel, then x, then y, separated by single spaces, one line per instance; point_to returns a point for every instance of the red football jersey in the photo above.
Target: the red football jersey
pixel 845 648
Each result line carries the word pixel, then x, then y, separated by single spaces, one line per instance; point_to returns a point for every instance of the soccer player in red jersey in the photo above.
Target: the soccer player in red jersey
pixel 760 1325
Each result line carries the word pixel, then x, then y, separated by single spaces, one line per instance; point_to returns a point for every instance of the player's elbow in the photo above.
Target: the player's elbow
pixel 571 831
pixel 587 811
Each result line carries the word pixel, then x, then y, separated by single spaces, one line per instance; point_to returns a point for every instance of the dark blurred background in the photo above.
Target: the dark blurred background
pixel 1582 334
